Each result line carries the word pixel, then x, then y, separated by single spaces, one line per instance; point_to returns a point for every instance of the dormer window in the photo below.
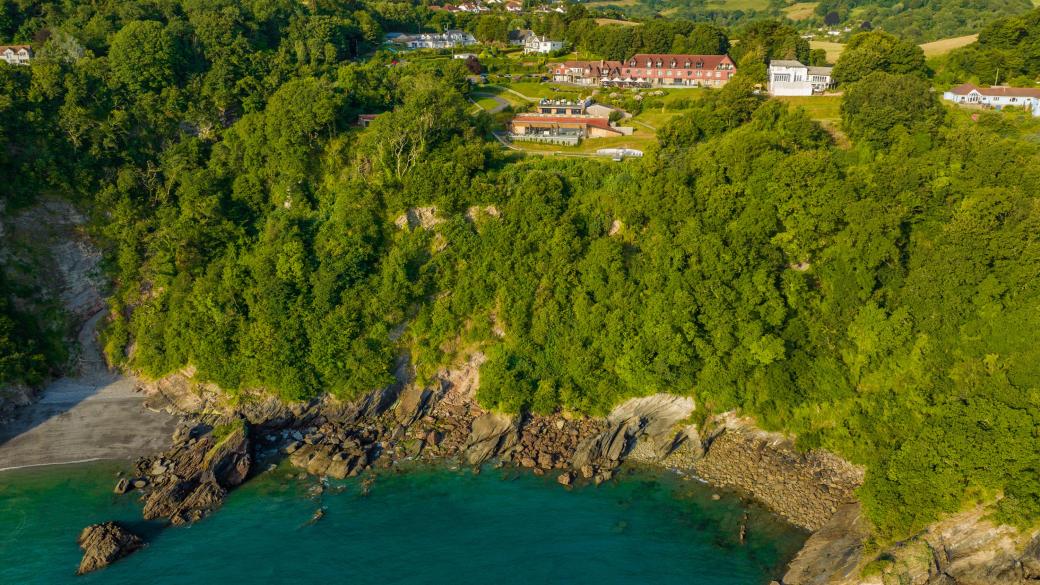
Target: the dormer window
pixel 673 63
pixel 686 65
pixel 659 62
pixel 700 64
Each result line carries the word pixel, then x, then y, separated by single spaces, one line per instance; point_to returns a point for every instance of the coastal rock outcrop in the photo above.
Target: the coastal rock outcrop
pixel 492 434
pixel 192 478
pixel 104 544
pixel 650 419
pixel 964 549
pixel 833 553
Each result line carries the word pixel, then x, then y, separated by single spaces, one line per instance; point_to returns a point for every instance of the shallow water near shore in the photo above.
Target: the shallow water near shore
pixel 427 525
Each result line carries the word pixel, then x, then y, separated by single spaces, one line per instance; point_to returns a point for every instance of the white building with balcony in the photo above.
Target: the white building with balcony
pixel 793 78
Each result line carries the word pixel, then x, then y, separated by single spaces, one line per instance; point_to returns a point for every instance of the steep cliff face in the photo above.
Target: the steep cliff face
pixel 44 249
pixel 964 549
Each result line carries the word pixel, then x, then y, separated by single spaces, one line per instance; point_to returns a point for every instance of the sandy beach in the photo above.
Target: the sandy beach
pixel 97 414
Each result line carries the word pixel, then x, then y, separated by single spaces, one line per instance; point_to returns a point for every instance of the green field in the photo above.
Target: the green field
pixel 823 108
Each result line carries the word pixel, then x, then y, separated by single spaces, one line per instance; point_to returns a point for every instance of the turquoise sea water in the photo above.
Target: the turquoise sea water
pixel 422 526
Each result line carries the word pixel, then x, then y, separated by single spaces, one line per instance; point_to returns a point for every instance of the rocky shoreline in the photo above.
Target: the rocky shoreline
pixel 221 444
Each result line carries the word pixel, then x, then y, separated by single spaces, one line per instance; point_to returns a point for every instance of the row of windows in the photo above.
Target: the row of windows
pixel 669 73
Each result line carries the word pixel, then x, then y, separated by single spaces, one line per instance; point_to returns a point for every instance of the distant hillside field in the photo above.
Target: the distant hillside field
pixel 943 46
pixel 833 49
pixel 801 10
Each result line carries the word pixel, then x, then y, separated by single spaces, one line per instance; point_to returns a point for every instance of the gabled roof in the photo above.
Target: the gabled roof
pixel 595 68
pixel 997 91
pixel 820 70
pixel 708 61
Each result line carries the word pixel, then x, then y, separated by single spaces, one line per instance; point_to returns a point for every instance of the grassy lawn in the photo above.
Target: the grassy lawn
pixel 943 46
pixel 657 119
pixel 824 108
pixel 739 4
pixel 485 103
pixel 540 90
pixel 800 10
pixel 518 103
pixel 605 21
pixel 833 49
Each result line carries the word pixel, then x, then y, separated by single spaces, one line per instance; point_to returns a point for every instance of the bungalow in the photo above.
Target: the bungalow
pixel 514 7
pixel 16 54
pixel 449 39
pixel 793 78
pixel 566 130
pixel 668 70
pixel 996 97
pixel 538 44
pixel 564 106
pixel 587 72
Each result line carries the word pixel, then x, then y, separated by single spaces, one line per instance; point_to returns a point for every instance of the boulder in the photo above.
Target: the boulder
pixel 565 478
pixel 104 544
pixel 122 486
pixel 412 404
pixel 490 434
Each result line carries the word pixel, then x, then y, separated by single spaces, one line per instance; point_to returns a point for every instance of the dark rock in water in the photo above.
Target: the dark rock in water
pixel 104 544
pixel 565 478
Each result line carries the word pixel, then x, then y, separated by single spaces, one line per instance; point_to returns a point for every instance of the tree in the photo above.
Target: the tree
pixel 142 56
pixel 881 101
pixel 708 39
pixel 878 51
pixel 832 18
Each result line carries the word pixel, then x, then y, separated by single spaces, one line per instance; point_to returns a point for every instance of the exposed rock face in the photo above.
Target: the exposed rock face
pixel 104 544
pixel 833 553
pixel 491 434
pixel 192 478
pixel 651 419
pixel 424 217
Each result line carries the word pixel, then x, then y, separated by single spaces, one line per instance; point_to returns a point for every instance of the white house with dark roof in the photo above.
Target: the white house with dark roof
pixel 540 44
pixel 16 54
pixel 794 78
pixel 997 97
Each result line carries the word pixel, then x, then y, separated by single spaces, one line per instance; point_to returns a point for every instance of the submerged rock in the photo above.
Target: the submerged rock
pixel 104 544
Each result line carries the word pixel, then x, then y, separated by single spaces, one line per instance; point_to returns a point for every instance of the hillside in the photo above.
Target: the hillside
pixel 875 297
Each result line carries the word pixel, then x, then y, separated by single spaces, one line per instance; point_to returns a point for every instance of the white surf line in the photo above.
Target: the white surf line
pixel 92 459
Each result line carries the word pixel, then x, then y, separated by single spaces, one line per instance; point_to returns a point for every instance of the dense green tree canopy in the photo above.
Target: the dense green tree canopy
pixel 882 102
pixel 878 51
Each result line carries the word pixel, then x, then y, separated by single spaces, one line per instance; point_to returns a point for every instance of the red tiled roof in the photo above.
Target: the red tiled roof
pixel 15 47
pixel 602 123
pixel 594 67
pixel 708 61
pixel 998 91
